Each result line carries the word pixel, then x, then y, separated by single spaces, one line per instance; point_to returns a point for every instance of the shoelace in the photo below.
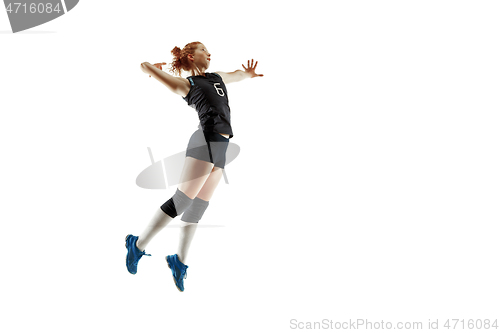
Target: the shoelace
pixel 143 253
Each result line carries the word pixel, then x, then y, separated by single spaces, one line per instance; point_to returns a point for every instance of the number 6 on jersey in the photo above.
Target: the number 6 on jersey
pixel 219 90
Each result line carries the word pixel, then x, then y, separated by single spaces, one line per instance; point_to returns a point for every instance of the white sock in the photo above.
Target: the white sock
pixel 158 222
pixel 186 236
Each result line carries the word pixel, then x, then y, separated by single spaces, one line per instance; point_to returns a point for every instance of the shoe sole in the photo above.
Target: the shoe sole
pixel 175 282
pixel 126 257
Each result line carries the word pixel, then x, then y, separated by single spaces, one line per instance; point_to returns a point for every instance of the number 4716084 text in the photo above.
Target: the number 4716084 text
pixel 32 8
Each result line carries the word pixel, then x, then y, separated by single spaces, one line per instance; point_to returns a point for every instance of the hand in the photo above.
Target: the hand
pixel 158 65
pixel 250 69
pixel 144 68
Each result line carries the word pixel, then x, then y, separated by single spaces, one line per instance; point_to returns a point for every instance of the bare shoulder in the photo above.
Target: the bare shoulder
pixel 223 75
pixel 184 86
pixel 183 81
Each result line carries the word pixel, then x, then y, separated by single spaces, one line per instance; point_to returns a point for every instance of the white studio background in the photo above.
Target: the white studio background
pixel 366 187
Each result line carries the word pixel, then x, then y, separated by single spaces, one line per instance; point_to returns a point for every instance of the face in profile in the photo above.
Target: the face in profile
pixel 201 57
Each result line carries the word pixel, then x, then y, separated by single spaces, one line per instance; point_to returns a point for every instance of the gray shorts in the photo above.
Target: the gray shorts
pixel 209 147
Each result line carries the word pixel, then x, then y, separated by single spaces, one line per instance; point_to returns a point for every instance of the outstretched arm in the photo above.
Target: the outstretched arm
pixel 239 75
pixel 178 85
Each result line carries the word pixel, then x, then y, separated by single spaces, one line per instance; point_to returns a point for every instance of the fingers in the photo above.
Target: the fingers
pixel 159 65
pixel 250 65
pixel 251 68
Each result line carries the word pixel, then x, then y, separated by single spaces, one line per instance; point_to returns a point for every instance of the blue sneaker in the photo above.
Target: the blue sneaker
pixel 133 254
pixel 178 270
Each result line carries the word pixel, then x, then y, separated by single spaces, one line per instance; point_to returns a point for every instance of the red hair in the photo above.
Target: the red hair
pixel 181 61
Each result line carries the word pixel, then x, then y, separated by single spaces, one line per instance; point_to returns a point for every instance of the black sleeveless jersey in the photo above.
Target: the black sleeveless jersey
pixel 208 96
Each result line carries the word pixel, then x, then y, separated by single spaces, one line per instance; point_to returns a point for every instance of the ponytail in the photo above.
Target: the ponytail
pixel 181 61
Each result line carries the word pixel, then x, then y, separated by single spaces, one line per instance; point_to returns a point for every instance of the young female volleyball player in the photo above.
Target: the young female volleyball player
pixel 205 154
